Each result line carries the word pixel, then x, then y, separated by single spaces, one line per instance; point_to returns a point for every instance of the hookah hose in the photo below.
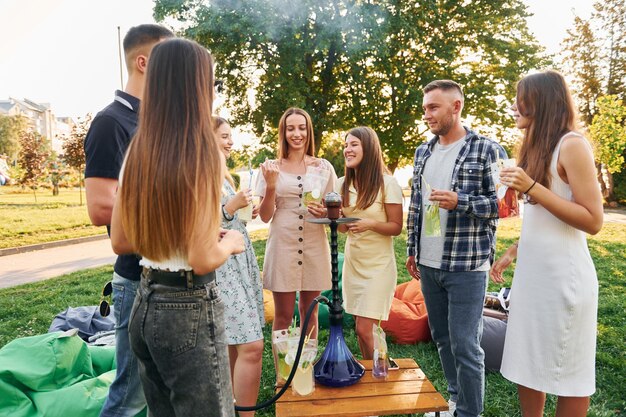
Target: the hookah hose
pixel 296 361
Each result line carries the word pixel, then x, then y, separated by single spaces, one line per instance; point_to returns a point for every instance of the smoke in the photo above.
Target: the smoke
pixel 345 21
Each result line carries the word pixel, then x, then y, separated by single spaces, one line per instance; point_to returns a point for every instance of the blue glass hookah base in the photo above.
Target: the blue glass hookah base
pixel 337 367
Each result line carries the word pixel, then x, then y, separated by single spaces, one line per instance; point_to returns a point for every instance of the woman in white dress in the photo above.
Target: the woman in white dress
pixel 551 334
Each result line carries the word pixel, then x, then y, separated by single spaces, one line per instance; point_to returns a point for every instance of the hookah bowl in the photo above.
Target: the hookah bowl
pixel 337 367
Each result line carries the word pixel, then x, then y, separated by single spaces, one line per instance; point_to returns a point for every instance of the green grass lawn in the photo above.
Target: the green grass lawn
pixel 26 222
pixel 29 309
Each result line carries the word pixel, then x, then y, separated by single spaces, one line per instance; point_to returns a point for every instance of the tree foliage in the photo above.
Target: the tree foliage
pixel 609 132
pixel 610 18
pixel 350 62
pixel 74 151
pixel 11 128
pixel 33 157
pixel 582 55
pixel 595 56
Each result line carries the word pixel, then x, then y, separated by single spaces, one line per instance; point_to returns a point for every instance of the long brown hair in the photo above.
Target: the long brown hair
pixel 174 168
pixel 283 145
pixel 547 103
pixel 369 175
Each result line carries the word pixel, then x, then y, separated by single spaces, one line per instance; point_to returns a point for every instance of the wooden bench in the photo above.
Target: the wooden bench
pixel 405 391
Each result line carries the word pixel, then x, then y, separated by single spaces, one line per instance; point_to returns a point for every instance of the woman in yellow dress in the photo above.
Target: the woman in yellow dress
pixel 371 194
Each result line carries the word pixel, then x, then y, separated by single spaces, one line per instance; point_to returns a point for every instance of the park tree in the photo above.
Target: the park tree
pixel 74 151
pixel 485 46
pixel 582 56
pixel 33 157
pixel 11 128
pixel 610 18
pixel 351 62
pixel 594 55
pixel 608 132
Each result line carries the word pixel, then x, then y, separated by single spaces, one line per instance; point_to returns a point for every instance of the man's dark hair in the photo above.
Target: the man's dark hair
pixel 145 34
pixel 445 85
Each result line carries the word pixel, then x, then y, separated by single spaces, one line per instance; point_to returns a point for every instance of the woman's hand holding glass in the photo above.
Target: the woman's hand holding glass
pixel 242 199
pixel 317 209
pixel 516 178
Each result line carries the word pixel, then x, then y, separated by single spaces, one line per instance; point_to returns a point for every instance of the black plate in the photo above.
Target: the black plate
pixel 341 220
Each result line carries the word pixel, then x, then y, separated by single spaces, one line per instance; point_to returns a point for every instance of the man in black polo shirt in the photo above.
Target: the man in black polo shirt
pixel 105 145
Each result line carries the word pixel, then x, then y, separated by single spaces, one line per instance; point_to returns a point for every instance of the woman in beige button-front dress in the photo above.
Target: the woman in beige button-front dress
pixel 297 255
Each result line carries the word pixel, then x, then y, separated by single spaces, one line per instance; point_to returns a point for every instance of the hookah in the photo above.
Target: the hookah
pixel 337 367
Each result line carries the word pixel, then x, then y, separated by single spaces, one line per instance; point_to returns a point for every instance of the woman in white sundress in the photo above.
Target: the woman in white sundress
pixel 239 284
pixel 551 334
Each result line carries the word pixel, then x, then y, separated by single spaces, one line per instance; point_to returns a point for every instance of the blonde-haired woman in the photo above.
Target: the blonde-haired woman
pixel 239 282
pixel 550 340
pixel 297 257
pixel 168 211
pixel 369 273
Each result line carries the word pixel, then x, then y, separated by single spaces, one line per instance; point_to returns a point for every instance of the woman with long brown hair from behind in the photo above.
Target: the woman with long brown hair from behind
pixel 168 211
pixel 371 194
pixel 550 341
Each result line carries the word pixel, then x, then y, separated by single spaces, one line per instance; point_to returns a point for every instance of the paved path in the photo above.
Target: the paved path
pixel 43 264
pixel 23 268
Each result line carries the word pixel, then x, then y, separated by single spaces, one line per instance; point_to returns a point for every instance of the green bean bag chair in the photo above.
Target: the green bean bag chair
pixel 323 319
pixel 54 374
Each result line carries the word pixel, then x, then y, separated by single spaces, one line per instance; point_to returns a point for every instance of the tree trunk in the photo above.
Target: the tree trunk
pixel 318 141
pixel 610 195
pixel 393 165
pixel 603 187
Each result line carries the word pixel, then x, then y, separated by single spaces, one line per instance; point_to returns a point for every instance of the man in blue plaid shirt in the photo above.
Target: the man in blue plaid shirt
pixel 451 239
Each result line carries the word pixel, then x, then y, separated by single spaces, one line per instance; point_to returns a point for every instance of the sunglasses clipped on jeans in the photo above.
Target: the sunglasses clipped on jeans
pixel 105 306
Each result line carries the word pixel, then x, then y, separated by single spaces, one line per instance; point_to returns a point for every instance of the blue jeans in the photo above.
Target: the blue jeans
pixel 454 301
pixel 125 397
pixel 179 338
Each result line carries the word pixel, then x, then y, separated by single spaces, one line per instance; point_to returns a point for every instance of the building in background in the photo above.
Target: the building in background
pixel 40 118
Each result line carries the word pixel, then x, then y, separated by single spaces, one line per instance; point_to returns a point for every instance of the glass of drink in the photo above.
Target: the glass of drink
pixel 283 367
pixel 245 213
pixel 303 382
pixel 314 195
pixel 380 367
pixel 256 200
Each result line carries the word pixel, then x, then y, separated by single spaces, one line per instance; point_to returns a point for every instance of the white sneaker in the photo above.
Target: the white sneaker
pixel 449 413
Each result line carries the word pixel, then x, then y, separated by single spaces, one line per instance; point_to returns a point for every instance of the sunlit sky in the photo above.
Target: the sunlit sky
pixel 65 52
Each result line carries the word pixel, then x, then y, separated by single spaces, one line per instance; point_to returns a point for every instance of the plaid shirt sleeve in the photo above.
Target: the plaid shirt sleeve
pixel 414 207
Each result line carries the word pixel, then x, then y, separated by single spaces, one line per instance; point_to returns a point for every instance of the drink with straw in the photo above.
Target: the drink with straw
pixel 245 213
pixel 303 380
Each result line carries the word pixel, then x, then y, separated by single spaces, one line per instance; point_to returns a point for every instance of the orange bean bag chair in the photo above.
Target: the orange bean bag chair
pixel 268 306
pixel 408 318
